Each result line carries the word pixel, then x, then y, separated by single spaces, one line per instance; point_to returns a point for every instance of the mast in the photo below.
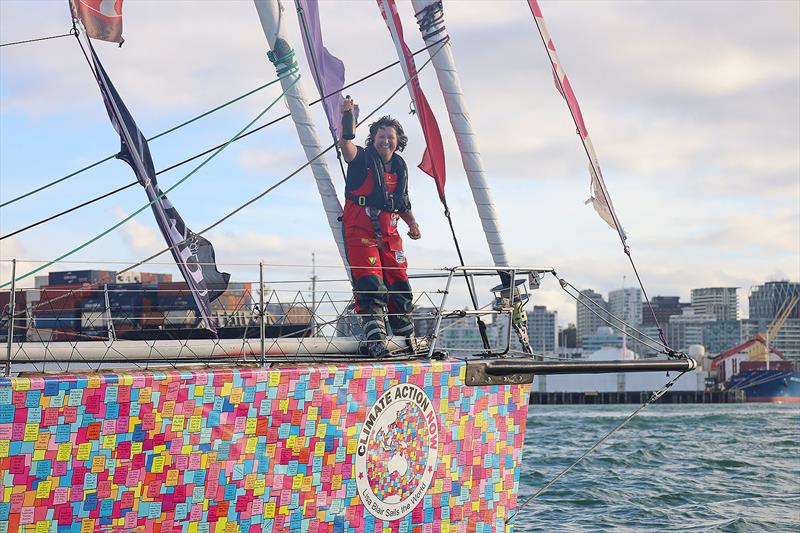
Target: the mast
pixel 431 21
pixel 271 15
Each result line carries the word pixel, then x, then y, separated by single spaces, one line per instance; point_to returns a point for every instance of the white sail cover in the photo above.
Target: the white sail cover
pixel 271 15
pixel 450 85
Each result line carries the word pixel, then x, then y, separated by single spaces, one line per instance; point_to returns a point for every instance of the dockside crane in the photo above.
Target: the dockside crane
pixel 760 351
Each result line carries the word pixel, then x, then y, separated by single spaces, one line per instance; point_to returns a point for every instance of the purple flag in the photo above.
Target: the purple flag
pixel 327 69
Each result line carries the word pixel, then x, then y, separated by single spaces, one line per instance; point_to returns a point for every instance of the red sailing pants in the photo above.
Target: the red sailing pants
pixel 379 267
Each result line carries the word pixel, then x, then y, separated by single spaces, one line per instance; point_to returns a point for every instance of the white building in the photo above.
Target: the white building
pixel 722 303
pixel 626 304
pixel 587 315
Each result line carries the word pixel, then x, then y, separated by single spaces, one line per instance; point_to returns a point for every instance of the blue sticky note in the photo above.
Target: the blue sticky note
pixel 50 387
pixel 112 411
pixel 111 394
pixel 32 398
pixel 106 507
pixel 7 414
pixel 63 433
pixel 90 502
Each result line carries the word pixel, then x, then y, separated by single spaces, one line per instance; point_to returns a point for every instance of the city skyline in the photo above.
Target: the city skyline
pixel 695 129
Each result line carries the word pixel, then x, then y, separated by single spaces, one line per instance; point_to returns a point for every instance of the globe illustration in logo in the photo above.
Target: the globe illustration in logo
pixel 397 452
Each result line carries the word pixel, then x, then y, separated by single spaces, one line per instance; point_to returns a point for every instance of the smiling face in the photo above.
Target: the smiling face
pixel 385 142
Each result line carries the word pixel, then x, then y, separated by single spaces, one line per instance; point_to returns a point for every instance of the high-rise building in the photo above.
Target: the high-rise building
pixel 567 337
pixel 626 304
pixel 663 308
pixel 687 329
pixel 720 302
pixel 767 299
pixel 722 335
pixel 589 315
pixel 542 329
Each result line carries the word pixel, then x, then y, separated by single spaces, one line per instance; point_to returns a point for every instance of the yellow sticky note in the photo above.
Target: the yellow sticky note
pixel 84 450
pixel 64 451
pixel 31 432
pixel 98 463
pixel 43 489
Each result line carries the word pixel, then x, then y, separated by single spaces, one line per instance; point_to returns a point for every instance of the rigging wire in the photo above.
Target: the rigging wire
pixel 71 32
pixel 653 398
pixel 162 195
pixel 50 184
pixel 287 115
pixel 659 346
pixel 293 174
pixel 246 204
pixel 596 173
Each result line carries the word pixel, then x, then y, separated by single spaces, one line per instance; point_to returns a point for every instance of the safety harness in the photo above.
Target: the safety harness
pixel 379 198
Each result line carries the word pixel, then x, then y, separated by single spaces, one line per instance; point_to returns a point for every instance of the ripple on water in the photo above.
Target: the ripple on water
pixel 723 468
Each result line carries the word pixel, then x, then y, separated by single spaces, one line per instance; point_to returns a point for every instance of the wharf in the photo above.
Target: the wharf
pixel 634 397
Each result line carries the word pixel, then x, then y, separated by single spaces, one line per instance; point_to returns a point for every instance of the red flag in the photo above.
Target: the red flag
pixel 433 159
pixel 101 18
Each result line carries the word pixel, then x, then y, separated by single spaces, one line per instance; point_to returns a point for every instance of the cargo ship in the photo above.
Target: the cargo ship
pixel 776 380
pixel 758 368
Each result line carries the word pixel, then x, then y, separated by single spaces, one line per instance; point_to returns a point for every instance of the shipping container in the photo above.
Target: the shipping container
pixel 93 320
pixel 94 334
pixel 183 317
pixel 151 277
pixel 20 300
pixel 40 335
pixel 54 298
pixel 76 277
pixel 57 321
pixel 93 304
pixel 152 319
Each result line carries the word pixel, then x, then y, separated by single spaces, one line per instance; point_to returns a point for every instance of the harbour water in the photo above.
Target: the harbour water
pixel 722 467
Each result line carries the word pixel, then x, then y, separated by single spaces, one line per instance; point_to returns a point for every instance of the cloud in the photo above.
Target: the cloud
pixel 693 110
pixel 259 161
pixel 142 239
pixel 12 248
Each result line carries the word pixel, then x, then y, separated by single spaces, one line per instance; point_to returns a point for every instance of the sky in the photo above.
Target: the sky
pixel 693 109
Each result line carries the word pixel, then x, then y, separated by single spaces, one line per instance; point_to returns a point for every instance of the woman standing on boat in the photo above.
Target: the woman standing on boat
pixel 376 190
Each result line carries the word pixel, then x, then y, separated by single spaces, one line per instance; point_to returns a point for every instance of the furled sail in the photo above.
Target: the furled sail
pixel 600 199
pixel 433 160
pixel 271 14
pixel 431 20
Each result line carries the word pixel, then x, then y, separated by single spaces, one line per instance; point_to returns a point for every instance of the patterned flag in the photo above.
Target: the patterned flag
pixel 600 198
pixel 327 69
pixel 101 18
pixel 193 254
pixel 433 158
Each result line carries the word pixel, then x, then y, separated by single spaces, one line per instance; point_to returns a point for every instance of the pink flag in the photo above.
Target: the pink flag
pixel 101 18
pixel 600 198
pixel 433 158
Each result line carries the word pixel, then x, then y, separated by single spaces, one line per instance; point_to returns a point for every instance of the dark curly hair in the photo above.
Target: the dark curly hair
pixel 387 122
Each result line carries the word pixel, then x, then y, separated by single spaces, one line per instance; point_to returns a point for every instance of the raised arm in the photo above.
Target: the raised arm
pixel 349 151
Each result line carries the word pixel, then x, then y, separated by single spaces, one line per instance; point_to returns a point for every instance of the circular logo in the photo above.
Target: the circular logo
pixel 397 450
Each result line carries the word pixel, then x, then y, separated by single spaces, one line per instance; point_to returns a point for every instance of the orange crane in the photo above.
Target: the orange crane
pixel 759 351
